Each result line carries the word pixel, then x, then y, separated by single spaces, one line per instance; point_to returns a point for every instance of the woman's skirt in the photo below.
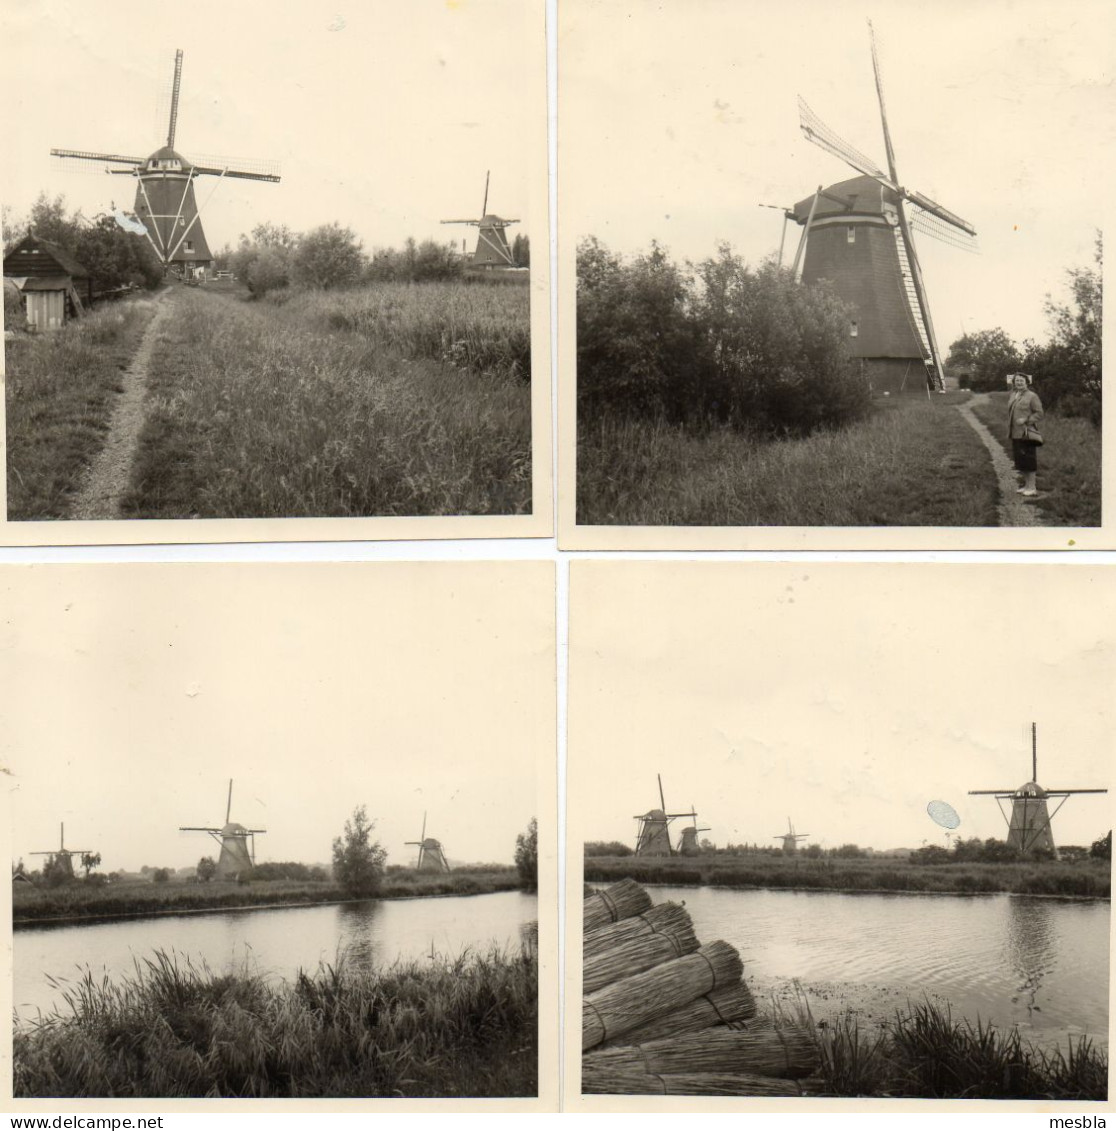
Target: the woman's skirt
pixel 1025 453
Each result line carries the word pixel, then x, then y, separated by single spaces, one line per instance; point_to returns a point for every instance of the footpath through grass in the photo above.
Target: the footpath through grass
pixel 1069 476
pixel 451 1028
pixel 912 463
pixel 59 399
pixel 1084 879
pixel 105 901
pixel 257 410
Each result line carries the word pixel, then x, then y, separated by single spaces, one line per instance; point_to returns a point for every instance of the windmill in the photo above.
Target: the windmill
pixel 237 858
pixel 653 837
pixel 688 841
pixel 857 235
pixel 431 857
pixel 1029 821
pixel 165 200
pixel 62 855
pixel 492 245
pixel 790 839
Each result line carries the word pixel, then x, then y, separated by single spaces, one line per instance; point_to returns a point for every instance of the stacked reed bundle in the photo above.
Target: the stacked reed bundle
pixel 660 1017
pixel 618 901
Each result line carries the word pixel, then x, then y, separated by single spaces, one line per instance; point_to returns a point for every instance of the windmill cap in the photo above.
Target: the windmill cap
pixel 166 154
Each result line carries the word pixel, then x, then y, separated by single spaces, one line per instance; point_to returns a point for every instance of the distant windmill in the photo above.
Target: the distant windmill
pixel 790 839
pixel 165 202
pixel 237 858
pixel 431 857
pixel 492 245
pixel 1029 822
pixel 653 836
pixel 62 855
pixel 688 841
pixel 857 237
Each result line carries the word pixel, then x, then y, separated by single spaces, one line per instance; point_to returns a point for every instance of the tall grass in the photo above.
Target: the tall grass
pixel 82 901
pixel 483 329
pixel 912 463
pixel 923 1053
pixel 1083 880
pixel 1069 462
pixel 255 410
pixel 453 1027
pixel 59 400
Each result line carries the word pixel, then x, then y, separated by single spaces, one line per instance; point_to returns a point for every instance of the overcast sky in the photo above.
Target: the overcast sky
pixel 845 697
pixel 679 119
pixel 133 693
pixel 384 116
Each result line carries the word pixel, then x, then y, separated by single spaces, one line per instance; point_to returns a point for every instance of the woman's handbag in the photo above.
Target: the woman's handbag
pixel 1032 435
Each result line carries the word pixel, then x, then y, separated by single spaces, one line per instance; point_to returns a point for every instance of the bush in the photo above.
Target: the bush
pixel 527 855
pixel 358 861
pixel 607 848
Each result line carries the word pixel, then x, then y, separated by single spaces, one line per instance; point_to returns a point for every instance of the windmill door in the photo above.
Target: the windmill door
pixel 46 309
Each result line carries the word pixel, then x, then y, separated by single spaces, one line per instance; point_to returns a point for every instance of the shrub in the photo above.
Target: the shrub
pixel 527 855
pixel 358 861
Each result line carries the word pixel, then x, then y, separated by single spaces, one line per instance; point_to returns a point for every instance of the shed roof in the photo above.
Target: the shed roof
pixel 39 257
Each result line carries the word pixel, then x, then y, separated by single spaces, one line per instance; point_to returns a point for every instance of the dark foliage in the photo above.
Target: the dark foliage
pixel 527 855
pixel 607 848
pixel 358 861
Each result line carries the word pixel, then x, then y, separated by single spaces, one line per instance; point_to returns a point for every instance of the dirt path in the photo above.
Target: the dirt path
pixel 106 479
pixel 1013 509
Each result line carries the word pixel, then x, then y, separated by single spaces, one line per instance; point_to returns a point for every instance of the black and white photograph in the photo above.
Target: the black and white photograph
pixel 281 832
pixel 275 262
pixel 838 831
pixel 832 268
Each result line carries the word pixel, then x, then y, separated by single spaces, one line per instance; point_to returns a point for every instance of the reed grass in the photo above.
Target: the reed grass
pixel 458 1027
pixel 260 411
pixel 661 917
pixel 1069 474
pixel 59 399
pixel 636 955
pixel 620 900
pixel 911 463
pixel 597 1079
pixel 624 1005
pixel 728 1006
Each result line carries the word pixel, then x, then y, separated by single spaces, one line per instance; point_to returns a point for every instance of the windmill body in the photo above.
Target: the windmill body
pixel 857 237
pixel 166 203
pixel 688 842
pixel 492 251
pixel 62 857
pixel 431 855
pixel 790 839
pixel 1026 810
pixel 237 858
pixel 653 836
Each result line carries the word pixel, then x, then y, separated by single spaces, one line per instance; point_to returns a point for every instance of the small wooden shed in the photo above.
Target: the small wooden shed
pixel 48 278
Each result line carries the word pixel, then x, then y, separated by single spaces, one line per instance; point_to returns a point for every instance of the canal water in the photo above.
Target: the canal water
pixel 276 942
pixel 1040 964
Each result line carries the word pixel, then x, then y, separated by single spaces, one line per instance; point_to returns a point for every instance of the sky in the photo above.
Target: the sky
pixel 844 697
pixel 679 120
pixel 134 693
pixel 383 116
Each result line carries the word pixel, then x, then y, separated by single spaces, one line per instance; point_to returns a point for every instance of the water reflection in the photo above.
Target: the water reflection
pixel 1031 949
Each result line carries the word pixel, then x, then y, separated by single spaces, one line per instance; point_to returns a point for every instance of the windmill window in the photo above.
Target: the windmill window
pixel 189 245
pixel 851 236
pixel 854 329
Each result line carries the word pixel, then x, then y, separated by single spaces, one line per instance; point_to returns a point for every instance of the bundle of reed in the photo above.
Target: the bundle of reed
pixel 635 956
pixel 603 1080
pixel 728 1006
pixel 788 1051
pixel 615 902
pixel 631 1002
pixel 661 917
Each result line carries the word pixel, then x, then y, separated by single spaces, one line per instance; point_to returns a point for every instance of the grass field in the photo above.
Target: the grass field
pixel 1087 878
pixel 1069 462
pixel 260 410
pixel 924 1053
pixel 59 392
pixel 912 463
pixel 463 1027
pixel 87 901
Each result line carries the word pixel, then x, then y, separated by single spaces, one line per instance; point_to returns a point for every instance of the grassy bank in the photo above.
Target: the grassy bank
pixel 913 463
pixel 1090 879
pixel 1069 462
pixel 260 410
pixel 923 1053
pixel 59 398
pixel 82 901
pixel 467 1027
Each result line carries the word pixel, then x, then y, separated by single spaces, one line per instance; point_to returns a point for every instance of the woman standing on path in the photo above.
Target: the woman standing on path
pixel 1024 414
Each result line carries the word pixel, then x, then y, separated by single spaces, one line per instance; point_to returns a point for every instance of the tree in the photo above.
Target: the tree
pixel 329 256
pixel 848 852
pixel 527 855
pixel 358 861
pixel 207 869
pixel 57 871
pixel 607 848
pixel 161 875
pixel 1102 849
pixel 521 250
pixel 89 861
pixel 988 356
